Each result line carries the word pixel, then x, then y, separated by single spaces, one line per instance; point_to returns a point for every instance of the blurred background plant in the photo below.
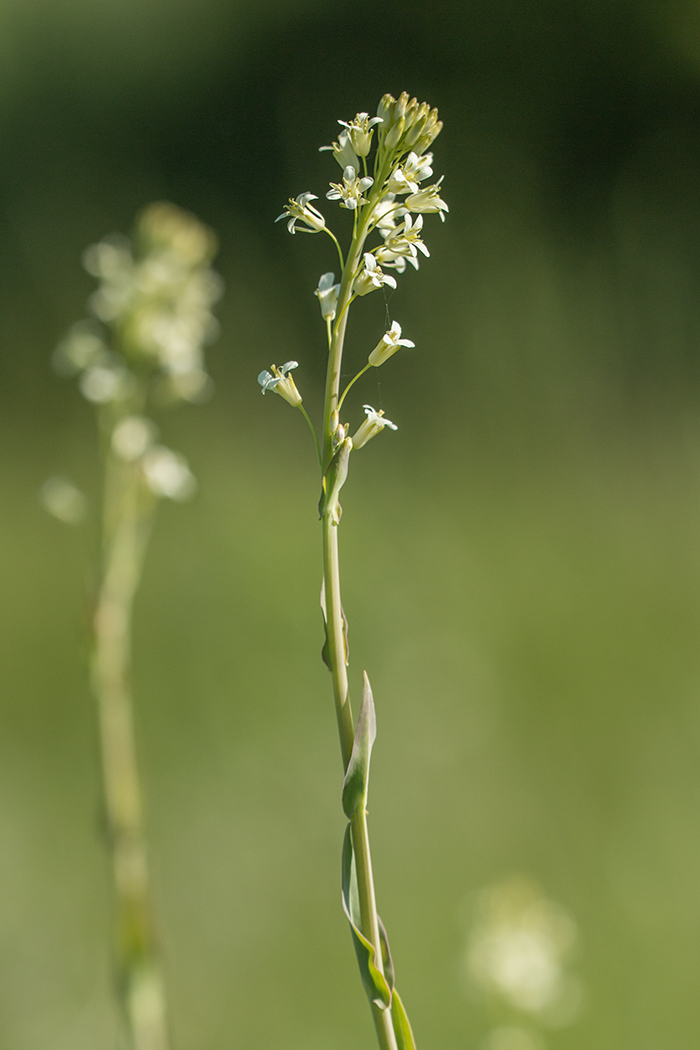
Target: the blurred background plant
pixel 516 955
pixel 532 617
pixel 155 301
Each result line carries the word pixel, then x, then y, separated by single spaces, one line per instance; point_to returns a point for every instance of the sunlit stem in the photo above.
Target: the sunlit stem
pixel 313 431
pixel 336 650
pixel 340 250
pixel 126 528
pixel 351 383
pixel 343 312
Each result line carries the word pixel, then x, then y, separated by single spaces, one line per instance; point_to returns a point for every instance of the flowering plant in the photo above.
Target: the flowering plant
pixel 142 349
pixel 382 203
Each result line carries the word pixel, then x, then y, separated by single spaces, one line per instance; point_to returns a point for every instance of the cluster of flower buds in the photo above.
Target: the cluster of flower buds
pixel 406 124
pixel 156 297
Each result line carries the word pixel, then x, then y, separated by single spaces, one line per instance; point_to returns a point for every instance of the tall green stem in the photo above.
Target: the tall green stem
pixel 126 528
pixel 336 648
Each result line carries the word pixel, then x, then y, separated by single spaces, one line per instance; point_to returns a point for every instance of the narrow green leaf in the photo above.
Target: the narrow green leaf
pixel 378 991
pixel 357 773
pixel 345 636
pixel 333 481
pixel 387 961
pixel 402 1028
pixel 325 652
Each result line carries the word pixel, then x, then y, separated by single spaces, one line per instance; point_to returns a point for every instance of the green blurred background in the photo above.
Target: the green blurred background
pixel 521 560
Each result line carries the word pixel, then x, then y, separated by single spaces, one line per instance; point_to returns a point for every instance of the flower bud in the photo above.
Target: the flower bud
pixel 327 293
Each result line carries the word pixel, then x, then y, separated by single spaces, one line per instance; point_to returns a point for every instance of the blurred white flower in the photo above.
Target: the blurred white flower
pixel 167 474
pixel 132 436
pixel 80 349
pixel 63 500
pixel 160 299
pixel 195 385
pixel 106 382
pixel 517 949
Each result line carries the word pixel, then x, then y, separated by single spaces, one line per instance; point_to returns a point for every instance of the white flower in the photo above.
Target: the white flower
pixel 360 131
pixel 385 214
pixel 374 423
pixel 518 948
pixel 387 346
pixel 282 383
pixel 131 437
pixel 300 210
pixel 167 474
pixel 413 170
pixel 371 277
pixel 195 385
pixel 81 348
pixel 350 191
pixel 106 382
pixel 395 262
pixel 60 497
pixel 110 259
pixel 327 293
pixel 403 241
pixel 428 200
pixel 343 151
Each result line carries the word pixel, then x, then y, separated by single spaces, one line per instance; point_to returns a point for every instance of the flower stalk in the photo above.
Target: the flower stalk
pixel 128 518
pixel 404 131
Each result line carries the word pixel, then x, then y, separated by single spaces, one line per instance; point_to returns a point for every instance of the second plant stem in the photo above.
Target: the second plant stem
pixel 126 526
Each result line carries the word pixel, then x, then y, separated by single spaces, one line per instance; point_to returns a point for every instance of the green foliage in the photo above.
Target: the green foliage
pixel 357 775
